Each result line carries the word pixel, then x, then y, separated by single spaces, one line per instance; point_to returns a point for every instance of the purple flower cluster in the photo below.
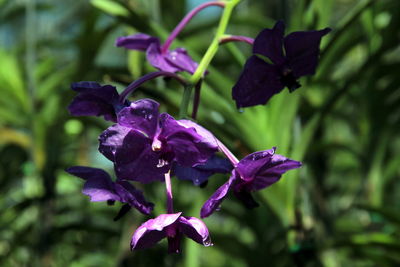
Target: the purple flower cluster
pixel 146 146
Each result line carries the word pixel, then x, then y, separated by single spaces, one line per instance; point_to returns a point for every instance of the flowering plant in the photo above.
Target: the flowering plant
pixel 145 146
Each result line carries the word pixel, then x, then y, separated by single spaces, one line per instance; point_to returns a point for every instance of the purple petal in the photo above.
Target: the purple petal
pixel 152 231
pixel 187 145
pixel 94 100
pixel 250 165
pixel 271 174
pixel 98 185
pixel 216 199
pixel 141 115
pixel 111 139
pixel 135 160
pixel 302 51
pixel 207 136
pixel 200 173
pixel 180 59
pixel 195 229
pixel 139 41
pixel 269 43
pixel 262 169
pixel 86 172
pixel 257 83
pixel 129 194
pixel 158 60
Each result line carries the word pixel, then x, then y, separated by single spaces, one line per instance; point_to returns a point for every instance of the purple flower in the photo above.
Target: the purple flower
pixel 164 60
pixel 291 57
pixel 254 172
pixel 100 187
pixel 144 144
pixel 171 226
pixel 94 99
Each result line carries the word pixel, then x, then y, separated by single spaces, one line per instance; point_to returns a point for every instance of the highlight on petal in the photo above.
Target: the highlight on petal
pixel 139 41
pixel 195 229
pixel 257 83
pixel 207 136
pixel 269 43
pixel 152 231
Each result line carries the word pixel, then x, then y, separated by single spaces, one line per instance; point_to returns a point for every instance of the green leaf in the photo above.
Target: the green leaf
pixel 110 7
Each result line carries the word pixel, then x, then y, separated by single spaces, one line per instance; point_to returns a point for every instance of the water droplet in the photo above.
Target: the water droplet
pixel 197 181
pixel 161 163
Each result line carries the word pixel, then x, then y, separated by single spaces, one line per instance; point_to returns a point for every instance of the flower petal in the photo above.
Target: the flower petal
pixel 129 194
pixel 302 51
pixel 141 115
pixel 250 165
pixel 195 229
pixel 95 100
pixel 206 135
pixel 200 173
pixel 181 60
pixel 111 139
pixel 139 41
pixel 216 199
pixel 98 185
pixel 158 60
pixel 152 231
pixel 257 83
pixel 187 145
pixel 135 160
pixel 269 43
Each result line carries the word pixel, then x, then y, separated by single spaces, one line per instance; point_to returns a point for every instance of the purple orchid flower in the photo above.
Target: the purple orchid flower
pixel 100 187
pixel 144 144
pixel 94 99
pixel 292 57
pixel 171 226
pixel 159 57
pixel 254 172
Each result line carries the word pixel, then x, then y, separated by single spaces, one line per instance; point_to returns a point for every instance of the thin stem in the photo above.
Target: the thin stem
pixel 185 101
pixel 227 153
pixel 236 38
pixel 168 188
pixel 213 48
pixel 185 21
pixel 135 84
pixel 196 100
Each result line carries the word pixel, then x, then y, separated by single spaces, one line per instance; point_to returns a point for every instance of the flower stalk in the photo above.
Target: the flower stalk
pixel 186 20
pixel 168 188
pixel 135 84
pixel 208 56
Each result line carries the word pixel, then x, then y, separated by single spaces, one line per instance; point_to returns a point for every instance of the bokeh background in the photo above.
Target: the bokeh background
pixel 340 209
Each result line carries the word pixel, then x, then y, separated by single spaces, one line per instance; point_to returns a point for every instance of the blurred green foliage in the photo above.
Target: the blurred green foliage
pixel 340 209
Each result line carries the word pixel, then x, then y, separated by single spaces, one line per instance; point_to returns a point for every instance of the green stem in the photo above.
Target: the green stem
pixel 208 56
pixel 213 48
pixel 185 101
